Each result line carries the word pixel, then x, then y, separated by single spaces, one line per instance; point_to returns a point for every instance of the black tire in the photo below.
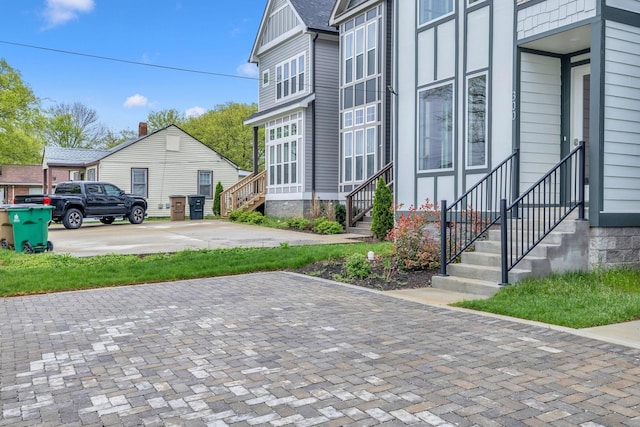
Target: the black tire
pixel 136 216
pixel 107 220
pixel 49 246
pixel 4 244
pixel 72 219
pixel 27 248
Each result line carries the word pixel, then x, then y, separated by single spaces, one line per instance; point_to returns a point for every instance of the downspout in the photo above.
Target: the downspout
pixel 313 121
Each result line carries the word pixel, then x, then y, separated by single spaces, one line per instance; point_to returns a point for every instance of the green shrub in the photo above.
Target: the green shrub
pixel 216 199
pixel 299 223
pixel 341 214
pixel 324 226
pixel 251 217
pixel 357 266
pixel 235 215
pixel 382 216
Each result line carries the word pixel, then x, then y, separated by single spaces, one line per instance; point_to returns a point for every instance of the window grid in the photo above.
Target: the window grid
pixel 205 184
pixel 139 181
pixel 290 78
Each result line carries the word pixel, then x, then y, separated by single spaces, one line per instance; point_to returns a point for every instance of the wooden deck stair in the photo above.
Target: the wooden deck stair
pixel 248 193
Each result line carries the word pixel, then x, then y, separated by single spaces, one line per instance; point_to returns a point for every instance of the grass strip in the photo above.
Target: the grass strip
pixel 574 300
pixel 42 273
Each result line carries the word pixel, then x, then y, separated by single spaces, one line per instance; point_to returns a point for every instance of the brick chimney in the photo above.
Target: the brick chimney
pixel 142 129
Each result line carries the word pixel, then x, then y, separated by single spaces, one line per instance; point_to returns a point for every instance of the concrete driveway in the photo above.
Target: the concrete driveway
pixel 94 238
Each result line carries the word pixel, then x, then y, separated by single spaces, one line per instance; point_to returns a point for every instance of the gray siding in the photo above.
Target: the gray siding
pixel 631 5
pixel 540 99
pixel 268 61
pixel 327 117
pixel 621 186
pixel 551 14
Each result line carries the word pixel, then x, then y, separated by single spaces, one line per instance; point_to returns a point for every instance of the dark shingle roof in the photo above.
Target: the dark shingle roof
pixel 80 156
pixel 315 14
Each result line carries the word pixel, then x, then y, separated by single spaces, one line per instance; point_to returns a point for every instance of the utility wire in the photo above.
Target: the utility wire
pixel 106 58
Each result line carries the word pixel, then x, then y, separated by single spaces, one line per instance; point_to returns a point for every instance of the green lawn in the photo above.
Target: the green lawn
pixel 575 300
pixel 22 274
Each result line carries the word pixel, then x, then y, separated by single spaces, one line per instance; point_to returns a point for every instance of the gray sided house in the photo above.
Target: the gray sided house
pixel 366 90
pixel 297 54
pixel 480 79
pixel 164 163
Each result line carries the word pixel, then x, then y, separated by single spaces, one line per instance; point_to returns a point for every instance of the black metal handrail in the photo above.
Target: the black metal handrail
pixel 360 200
pixel 533 215
pixel 469 217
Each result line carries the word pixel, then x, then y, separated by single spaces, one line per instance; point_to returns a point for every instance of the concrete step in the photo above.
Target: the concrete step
pixel 493 246
pixel 554 238
pixel 467 286
pixel 486 273
pixel 361 227
pixel 530 263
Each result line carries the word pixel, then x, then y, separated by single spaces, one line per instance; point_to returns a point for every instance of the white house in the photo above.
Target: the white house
pixel 158 165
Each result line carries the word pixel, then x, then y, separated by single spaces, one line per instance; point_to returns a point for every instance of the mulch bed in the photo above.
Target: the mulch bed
pixel 381 278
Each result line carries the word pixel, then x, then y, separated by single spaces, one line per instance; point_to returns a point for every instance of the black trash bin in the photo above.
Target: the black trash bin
pixel 196 207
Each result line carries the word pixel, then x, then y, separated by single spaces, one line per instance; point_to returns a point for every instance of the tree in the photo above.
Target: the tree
pixel 216 199
pixel 20 119
pixel 382 216
pixel 161 119
pixel 223 130
pixel 111 139
pixel 74 126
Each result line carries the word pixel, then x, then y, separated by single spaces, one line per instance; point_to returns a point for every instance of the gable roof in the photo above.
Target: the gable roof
pixel 344 9
pixel 82 157
pixel 314 16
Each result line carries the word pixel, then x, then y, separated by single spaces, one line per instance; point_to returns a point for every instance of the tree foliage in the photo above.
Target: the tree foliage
pixel 216 199
pixel 161 119
pixel 20 119
pixel 74 126
pixel 223 130
pixel 382 216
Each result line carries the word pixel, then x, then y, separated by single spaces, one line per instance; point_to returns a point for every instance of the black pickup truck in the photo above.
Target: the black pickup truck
pixel 75 200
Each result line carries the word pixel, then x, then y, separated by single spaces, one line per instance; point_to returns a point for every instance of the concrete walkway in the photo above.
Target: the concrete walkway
pixel 285 349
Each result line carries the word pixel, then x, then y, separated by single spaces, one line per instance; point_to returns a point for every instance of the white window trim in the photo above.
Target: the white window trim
pixel 486 121
pixel 268 78
pixel 298 90
pixel 453 129
pixel 298 138
pixel 210 172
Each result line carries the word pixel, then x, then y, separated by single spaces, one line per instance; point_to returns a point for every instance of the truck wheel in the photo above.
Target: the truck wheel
pixel 72 219
pixel 107 220
pixel 137 215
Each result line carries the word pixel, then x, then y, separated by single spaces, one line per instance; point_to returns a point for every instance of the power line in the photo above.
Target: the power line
pixel 125 61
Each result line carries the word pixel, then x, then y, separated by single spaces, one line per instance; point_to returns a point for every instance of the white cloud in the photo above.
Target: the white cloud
pixel 59 12
pixel 136 100
pixel 248 70
pixel 195 112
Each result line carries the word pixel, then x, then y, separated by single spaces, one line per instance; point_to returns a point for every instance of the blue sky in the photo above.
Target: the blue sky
pixel 213 36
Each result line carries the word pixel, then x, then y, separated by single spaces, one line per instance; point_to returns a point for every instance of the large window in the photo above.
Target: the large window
pixel 359 52
pixel 290 77
pixel 435 140
pixel 359 154
pixel 477 121
pixel 205 184
pixel 431 10
pixel 139 181
pixel 282 153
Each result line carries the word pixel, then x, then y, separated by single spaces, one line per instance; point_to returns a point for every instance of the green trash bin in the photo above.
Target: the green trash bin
pixel 6 230
pixel 30 227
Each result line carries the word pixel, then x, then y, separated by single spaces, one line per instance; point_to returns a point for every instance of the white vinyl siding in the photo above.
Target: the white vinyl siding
pixel 281 21
pixel 621 186
pixel 169 172
pixel 540 112
pixel 549 15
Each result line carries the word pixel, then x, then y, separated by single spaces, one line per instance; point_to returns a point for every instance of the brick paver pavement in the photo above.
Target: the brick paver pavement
pixel 281 349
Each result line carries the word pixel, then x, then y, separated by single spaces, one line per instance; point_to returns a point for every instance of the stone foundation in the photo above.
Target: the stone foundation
pixel 293 208
pixel 614 247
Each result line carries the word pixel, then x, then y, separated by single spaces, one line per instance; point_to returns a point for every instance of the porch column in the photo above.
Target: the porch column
pixel 255 150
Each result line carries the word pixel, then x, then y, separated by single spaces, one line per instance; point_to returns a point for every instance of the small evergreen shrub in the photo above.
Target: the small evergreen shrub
pixel 341 214
pixel 382 216
pixel 357 266
pixel 216 199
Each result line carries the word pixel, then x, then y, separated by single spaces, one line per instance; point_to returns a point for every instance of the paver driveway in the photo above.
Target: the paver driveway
pixel 280 349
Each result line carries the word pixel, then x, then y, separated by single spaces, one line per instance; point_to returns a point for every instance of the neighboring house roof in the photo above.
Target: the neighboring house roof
pixel 314 16
pixel 83 157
